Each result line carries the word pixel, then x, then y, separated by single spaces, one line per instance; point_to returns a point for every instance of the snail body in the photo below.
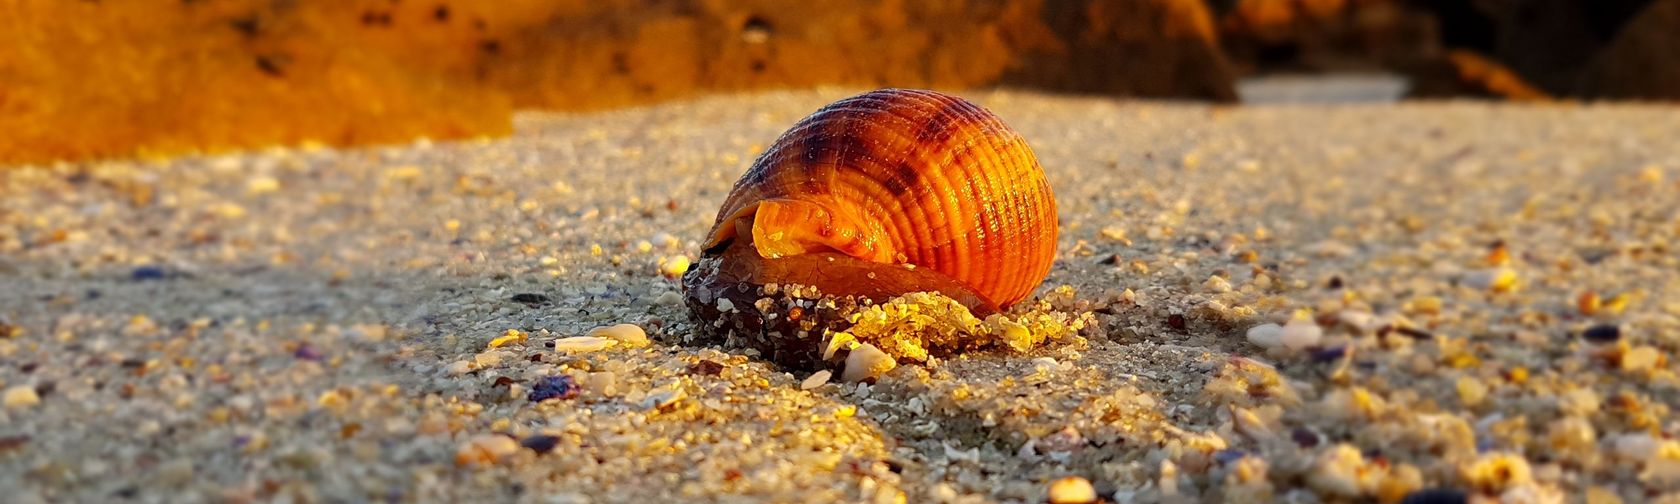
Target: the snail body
pixel 871 197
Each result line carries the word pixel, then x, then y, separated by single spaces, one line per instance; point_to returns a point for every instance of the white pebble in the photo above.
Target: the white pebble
pixel 582 344
pixel 1330 248
pixel 866 362
pixel 816 379
pixel 630 335
pixel 1266 335
pixel 663 397
pixel 487 359
pixel 1356 319
pixel 1490 279
pixel 666 240
pixel 20 396
pixel 603 382
pixel 1301 334
pixel 1636 447
pixel 459 368
pixel 669 298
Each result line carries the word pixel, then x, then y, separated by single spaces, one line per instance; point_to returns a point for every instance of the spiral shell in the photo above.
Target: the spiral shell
pixel 903 177
pixel 872 197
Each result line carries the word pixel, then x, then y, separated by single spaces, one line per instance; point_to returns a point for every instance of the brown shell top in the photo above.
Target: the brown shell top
pixel 902 176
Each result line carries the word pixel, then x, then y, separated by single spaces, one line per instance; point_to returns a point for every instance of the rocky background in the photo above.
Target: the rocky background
pixel 92 79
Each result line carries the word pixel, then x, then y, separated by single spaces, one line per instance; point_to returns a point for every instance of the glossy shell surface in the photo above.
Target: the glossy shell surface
pixel 900 177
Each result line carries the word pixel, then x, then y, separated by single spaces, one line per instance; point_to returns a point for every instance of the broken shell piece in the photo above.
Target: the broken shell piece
pixel 816 379
pixel 629 335
pixel 866 362
pixel 583 344
pixel 485 449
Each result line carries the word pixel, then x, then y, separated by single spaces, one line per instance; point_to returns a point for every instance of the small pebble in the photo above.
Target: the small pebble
pixel 176 472
pixel 1217 284
pixel 144 273
pixel 1301 334
pixel 629 335
pixel 1601 495
pixel 1436 496
pixel 1601 334
pixel 512 336
pixel 1266 335
pixel 1471 391
pixel 20 397
pixel 553 387
pixel 1641 359
pixel 529 299
pixel 1498 471
pixel 485 449
pixel 308 352
pixel 865 362
pixel 583 344
pixel 540 443
pixel 706 367
pixel 604 382
pixel 816 379
pixel 1635 447
pixel 459 368
pixel 1581 401
pixel 1356 319
pixel 1329 354
pixel 1492 279
pixel 674 266
pixel 663 397
pixel 1304 437
pixel 668 298
pixel 1072 490
pixel 1340 470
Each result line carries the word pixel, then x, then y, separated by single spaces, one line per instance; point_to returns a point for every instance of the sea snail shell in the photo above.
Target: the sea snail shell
pixel 873 196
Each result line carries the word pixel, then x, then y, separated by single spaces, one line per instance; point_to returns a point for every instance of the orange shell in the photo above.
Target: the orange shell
pixel 903 176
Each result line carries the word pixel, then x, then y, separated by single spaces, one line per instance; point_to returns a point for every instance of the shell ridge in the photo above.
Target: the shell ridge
pixel 932 179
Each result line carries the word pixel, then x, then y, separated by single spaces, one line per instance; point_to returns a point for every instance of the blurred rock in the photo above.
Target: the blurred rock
pixel 1265 36
pixel 102 79
pixel 81 80
pixel 1551 42
pixel 1156 48
pixel 1462 73
pixel 1641 62
pixel 617 56
pixel 159 76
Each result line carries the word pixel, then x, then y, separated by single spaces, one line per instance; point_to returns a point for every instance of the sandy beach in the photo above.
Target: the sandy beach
pixel 1471 300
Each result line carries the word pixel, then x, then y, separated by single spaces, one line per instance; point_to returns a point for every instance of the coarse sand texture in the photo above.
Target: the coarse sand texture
pixel 1285 303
